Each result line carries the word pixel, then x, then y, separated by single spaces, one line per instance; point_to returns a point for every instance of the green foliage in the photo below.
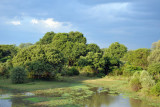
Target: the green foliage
pixel 7 52
pixel 72 45
pixel 4 69
pixel 154 57
pixel 156 45
pixel 39 53
pixel 40 70
pixel 154 70
pixel 18 75
pixel 87 71
pixel 129 70
pixel 41 61
pixel 116 50
pixel 155 90
pixel 135 83
pixel 141 79
pixel 116 71
pixel 25 45
pixel 47 38
pixel 93 48
pixel 146 80
pixel 101 75
pixel 138 57
pixel 72 71
pixel 82 61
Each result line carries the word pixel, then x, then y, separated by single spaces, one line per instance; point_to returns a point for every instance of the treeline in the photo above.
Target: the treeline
pixel 60 54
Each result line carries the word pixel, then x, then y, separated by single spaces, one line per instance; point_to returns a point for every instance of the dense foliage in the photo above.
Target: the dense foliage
pixel 7 52
pixel 68 54
pixel 18 75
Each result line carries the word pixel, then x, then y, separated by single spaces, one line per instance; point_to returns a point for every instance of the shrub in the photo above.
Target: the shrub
pixel 72 71
pixel 64 71
pixel 4 69
pixel 87 71
pixel 155 90
pixel 154 70
pixel 146 80
pixel 135 83
pixel 129 70
pixel 116 71
pixel 101 75
pixel 40 70
pixel 18 75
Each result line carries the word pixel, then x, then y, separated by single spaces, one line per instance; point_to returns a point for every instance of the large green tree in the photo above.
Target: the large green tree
pixel 47 38
pixel 116 50
pixel 93 48
pixel 40 59
pixel 72 45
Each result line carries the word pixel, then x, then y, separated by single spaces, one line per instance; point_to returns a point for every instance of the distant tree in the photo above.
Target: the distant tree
pixel 47 38
pixel 77 37
pixel 155 54
pixel 116 50
pixel 156 45
pixel 24 45
pixel 93 48
pixel 138 57
pixel 154 57
pixel 7 52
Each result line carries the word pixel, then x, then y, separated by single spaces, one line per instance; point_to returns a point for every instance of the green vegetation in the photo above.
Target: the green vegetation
pixel 61 56
pixel 18 75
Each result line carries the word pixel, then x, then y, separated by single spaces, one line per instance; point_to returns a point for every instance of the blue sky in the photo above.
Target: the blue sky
pixel 134 23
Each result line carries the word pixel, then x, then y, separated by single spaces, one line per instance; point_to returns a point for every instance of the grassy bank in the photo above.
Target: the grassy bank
pixel 121 85
pixel 73 89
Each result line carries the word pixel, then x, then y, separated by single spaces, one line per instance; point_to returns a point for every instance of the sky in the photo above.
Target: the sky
pixel 134 23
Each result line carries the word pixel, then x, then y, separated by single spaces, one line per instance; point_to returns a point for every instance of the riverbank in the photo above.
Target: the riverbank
pixel 73 85
pixel 121 85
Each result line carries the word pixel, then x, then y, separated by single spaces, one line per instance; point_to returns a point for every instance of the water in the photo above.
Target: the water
pixel 99 99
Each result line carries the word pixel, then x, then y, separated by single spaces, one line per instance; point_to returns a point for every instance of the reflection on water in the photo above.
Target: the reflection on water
pixel 101 98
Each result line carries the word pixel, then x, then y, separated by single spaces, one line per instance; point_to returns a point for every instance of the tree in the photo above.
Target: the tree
pixel 47 38
pixel 93 48
pixel 7 52
pixel 44 57
pixel 156 45
pixel 72 45
pixel 154 57
pixel 138 57
pixel 116 50
pixel 24 45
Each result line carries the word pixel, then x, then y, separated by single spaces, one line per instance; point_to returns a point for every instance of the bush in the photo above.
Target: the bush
pixel 135 83
pixel 101 75
pixel 146 80
pixel 72 71
pixel 116 71
pixel 129 70
pixel 154 70
pixel 4 69
pixel 18 75
pixel 87 71
pixel 40 70
pixel 155 90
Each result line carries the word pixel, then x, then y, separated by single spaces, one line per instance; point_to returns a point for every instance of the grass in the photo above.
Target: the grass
pixel 74 89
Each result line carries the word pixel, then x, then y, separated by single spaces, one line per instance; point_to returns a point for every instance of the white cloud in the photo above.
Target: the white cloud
pixel 31 24
pixel 34 21
pixel 15 22
pixel 49 24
